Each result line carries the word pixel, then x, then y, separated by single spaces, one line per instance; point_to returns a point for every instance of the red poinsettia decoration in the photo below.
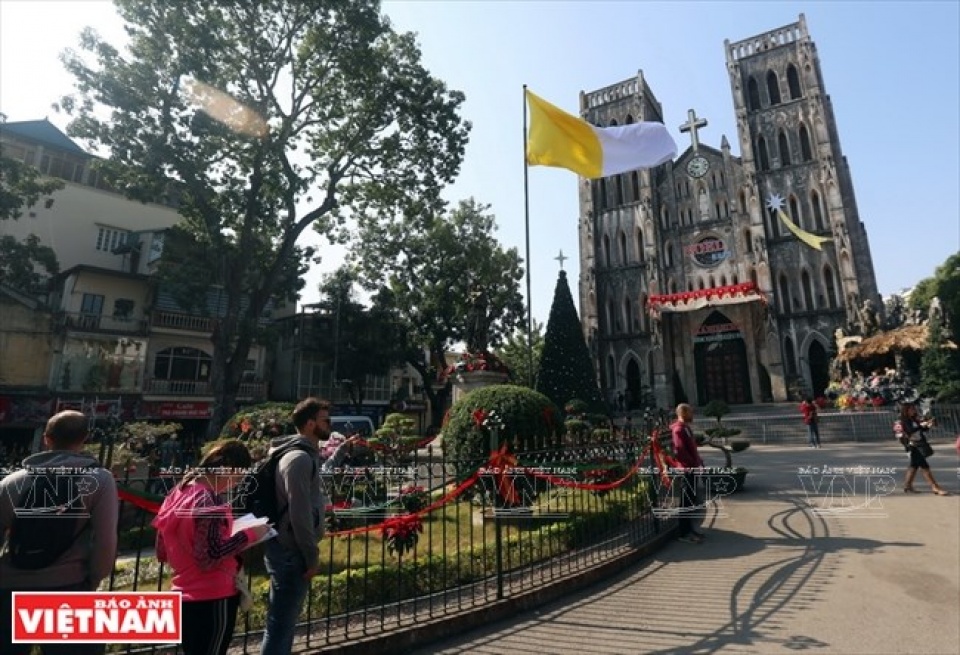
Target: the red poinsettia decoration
pixel 402 533
pixel 479 416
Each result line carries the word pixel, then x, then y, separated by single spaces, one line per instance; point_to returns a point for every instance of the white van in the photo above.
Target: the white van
pixel 350 425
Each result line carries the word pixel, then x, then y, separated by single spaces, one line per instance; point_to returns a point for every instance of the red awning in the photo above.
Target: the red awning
pixel 689 301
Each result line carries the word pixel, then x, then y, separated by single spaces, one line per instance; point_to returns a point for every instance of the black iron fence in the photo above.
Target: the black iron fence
pixel 419 537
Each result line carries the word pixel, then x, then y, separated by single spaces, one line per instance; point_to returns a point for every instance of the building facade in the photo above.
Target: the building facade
pixel 693 286
pixel 107 340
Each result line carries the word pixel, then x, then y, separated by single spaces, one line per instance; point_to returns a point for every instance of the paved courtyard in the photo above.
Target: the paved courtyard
pixel 788 566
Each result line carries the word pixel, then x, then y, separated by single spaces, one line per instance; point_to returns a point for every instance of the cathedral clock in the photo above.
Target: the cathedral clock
pixel 698 167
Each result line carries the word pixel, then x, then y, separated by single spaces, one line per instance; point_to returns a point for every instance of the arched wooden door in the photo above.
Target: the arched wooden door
pixel 720 353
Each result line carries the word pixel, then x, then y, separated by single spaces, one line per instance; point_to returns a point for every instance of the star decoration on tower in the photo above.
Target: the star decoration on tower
pixel 775 202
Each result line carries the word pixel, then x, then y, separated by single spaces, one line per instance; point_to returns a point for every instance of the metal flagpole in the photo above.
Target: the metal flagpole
pixel 526 224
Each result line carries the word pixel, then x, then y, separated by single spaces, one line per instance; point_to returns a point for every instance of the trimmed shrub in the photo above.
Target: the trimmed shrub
pixel 526 420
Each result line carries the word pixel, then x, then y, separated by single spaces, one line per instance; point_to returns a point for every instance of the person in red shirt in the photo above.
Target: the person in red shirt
pixel 811 419
pixel 688 457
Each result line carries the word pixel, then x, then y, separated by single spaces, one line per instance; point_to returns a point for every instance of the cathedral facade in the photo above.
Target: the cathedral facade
pixel 717 276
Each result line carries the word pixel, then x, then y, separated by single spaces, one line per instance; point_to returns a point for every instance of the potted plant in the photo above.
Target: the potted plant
pixel 722 438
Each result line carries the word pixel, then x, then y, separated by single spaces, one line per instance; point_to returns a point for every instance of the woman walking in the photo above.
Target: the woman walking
pixel 194 535
pixel 914 440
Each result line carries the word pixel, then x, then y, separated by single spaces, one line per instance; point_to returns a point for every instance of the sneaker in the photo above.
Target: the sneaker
pixel 690 539
pixel 698 535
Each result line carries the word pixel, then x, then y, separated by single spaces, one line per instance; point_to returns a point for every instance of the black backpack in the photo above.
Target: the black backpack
pixel 258 493
pixel 48 518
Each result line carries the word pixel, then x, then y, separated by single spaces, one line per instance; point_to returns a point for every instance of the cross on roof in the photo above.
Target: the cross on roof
pixel 560 258
pixel 691 126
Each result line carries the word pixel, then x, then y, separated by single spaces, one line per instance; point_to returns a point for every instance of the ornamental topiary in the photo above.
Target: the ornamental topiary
pixel 258 424
pixel 518 416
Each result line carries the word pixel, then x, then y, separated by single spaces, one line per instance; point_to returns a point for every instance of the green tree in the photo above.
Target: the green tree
pixel 515 353
pixel 945 285
pixel 566 370
pixel 271 117
pixel 364 342
pixel 24 265
pixel 940 366
pixel 425 267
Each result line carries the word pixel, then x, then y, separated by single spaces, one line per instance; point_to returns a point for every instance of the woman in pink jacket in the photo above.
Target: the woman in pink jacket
pixel 194 528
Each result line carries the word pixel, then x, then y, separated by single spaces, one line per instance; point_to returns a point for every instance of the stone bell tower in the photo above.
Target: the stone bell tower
pixel 790 147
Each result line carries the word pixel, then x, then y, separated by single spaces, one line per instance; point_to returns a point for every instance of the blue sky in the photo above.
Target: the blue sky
pixel 892 70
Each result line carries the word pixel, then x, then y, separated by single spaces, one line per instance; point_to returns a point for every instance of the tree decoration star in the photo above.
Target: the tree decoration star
pixel 775 202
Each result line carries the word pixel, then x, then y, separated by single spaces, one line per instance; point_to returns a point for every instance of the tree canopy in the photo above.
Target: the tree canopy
pixel 425 267
pixel 945 285
pixel 264 118
pixel 364 341
pixel 515 353
pixel 24 265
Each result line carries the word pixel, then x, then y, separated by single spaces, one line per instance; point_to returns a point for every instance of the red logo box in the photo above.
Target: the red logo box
pixel 55 617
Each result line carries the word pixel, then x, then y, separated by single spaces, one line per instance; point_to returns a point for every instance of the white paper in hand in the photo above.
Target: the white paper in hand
pixel 248 521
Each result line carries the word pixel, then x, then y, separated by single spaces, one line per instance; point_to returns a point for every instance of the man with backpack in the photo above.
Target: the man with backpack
pixel 292 559
pixel 58 526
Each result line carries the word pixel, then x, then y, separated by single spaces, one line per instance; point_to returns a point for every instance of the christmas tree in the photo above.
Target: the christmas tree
pixel 566 371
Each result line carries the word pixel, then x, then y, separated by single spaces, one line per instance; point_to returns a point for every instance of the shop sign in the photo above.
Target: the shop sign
pixel 708 251
pixel 181 410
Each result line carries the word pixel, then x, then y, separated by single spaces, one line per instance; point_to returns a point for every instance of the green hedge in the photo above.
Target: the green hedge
pixel 530 422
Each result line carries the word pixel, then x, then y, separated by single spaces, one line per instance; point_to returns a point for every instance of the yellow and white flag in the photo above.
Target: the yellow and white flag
pixel 562 140
pixel 775 203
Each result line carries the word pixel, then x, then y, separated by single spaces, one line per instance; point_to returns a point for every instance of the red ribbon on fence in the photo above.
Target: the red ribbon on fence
pixel 500 463
pixel 663 459
pixel 137 500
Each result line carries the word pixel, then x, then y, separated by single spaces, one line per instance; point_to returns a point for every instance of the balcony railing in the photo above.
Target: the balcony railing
pixel 101 323
pixel 177 321
pixel 160 387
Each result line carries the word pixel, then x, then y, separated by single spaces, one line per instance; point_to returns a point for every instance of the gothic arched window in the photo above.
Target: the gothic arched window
pixel 762 154
pixel 807 291
pixel 784 294
pixel 773 88
pixel 793 81
pixel 784 149
pixel 805 153
pixel 623 249
pixel 743 203
pixel 753 95
pixel 830 285
pixel 817 211
pixel 606 250
pixel 635 178
pixel 795 211
pixel 774 230
pixel 640 253
pixel 748 240
pixel 603 193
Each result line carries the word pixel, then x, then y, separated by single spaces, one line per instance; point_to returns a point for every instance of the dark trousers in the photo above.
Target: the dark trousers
pixel 7 647
pixel 688 501
pixel 208 625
